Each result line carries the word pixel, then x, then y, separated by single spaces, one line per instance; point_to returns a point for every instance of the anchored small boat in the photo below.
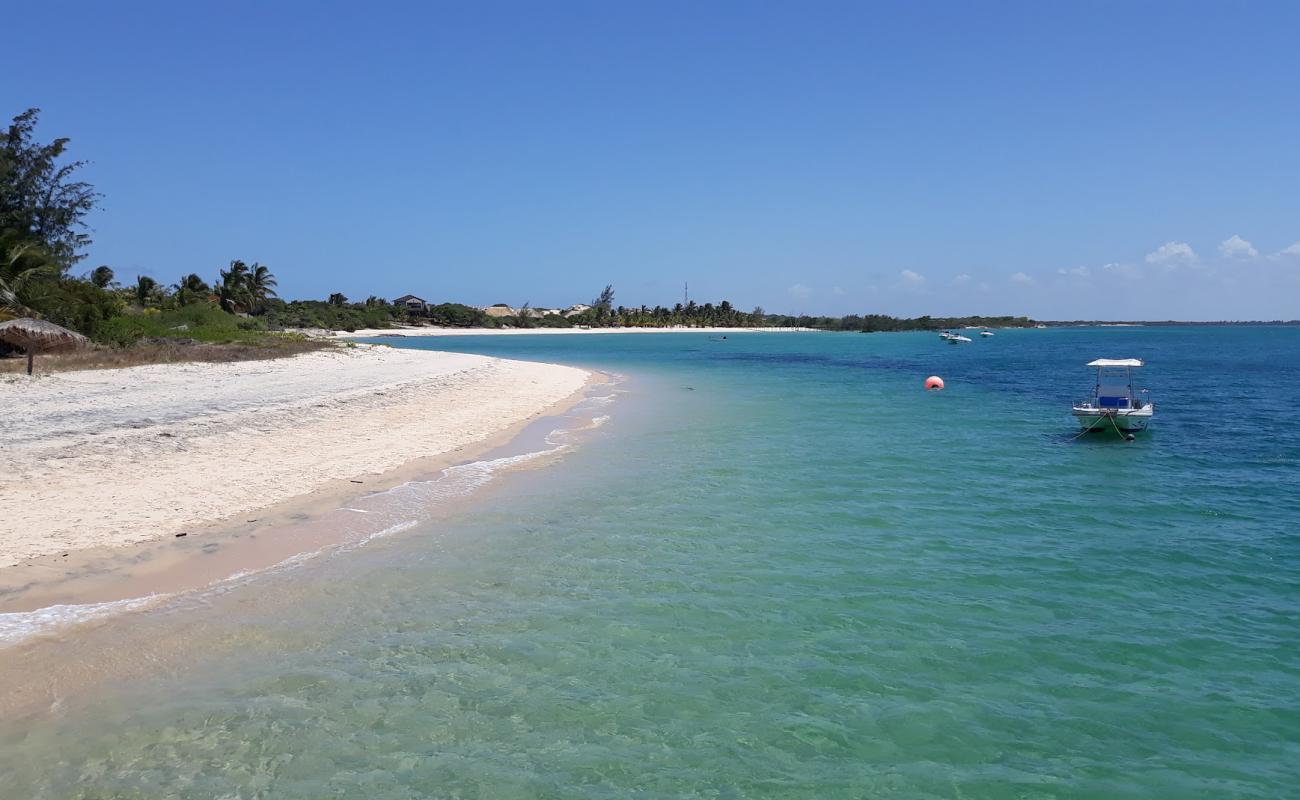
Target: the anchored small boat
pixel 1114 405
pixel 986 333
pixel 958 339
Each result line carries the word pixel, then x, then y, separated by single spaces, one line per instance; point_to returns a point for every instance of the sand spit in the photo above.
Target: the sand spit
pixel 373 332
pixel 114 457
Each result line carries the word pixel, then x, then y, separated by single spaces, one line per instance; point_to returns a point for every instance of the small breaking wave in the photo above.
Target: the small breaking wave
pixel 19 626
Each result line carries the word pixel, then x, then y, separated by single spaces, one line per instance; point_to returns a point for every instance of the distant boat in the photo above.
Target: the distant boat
pixel 946 335
pixel 986 333
pixel 955 339
pixel 1113 404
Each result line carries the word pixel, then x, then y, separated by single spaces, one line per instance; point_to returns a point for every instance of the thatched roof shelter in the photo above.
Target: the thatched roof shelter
pixel 38 336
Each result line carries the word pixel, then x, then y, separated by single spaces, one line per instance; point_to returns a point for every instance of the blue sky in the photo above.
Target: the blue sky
pixel 1086 160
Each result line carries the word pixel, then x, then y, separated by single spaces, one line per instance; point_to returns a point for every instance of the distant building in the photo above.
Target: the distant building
pixel 575 309
pixel 500 310
pixel 411 302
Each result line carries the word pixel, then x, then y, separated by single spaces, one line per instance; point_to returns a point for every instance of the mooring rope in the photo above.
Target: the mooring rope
pixel 1088 429
pixel 1092 428
pixel 1116 426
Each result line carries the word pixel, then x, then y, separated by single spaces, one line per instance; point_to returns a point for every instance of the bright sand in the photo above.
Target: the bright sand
pixel 116 457
pixel 373 332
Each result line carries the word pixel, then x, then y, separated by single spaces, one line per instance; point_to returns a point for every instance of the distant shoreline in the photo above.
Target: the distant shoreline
pixel 370 333
pixel 433 331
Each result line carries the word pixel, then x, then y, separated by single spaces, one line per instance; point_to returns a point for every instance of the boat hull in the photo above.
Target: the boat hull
pixel 1126 420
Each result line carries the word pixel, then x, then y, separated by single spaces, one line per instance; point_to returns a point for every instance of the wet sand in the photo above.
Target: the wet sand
pixel 130 604
pixel 256 540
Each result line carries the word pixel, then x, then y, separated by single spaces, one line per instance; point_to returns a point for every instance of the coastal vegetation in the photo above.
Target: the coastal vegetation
pixel 44 207
pixel 603 314
pixel 43 237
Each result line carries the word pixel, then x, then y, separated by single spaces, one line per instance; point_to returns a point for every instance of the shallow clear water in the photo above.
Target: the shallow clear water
pixel 780 570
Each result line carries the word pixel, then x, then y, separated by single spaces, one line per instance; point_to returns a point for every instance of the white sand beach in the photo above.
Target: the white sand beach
pixel 121 456
pixel 432 331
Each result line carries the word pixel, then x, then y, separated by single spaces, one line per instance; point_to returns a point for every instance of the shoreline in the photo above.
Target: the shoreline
pixel 96 476
pixel 282 532
pixel 372 333
pixel 69 625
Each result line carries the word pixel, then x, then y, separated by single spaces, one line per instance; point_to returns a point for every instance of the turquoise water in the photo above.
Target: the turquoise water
pixel 780 570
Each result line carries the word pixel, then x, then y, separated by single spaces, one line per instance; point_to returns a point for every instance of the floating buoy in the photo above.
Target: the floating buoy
pixel 933 382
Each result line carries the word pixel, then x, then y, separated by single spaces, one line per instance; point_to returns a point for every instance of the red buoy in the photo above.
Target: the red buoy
pixel 933 382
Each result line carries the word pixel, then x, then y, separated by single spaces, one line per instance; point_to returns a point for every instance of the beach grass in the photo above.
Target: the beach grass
pixel 265 346
pixel 196 333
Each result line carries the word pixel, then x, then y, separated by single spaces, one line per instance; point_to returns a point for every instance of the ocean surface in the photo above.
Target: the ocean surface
pixel 779 569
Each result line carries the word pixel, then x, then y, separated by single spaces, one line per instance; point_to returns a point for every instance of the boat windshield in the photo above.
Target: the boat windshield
pixel 1114 387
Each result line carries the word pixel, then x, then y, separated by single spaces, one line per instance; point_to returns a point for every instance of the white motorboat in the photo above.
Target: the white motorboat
pixel 986 333
pixel 945 335
pixel 958 339
pixel 1114 405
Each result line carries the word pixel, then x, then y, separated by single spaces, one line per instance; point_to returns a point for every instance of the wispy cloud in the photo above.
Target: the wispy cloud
pixel 962 279
pixel 1126 270
pixel 1289 252
pixel 799 291
pixel 1236 247
pixel 1172 254
pixel 913 278
pixel 1021 278
pixel 1078 272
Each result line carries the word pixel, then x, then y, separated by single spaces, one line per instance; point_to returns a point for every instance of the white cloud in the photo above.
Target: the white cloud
pixel 799 291
pixel 1171 254
pixel 1293 251
pixel 1236 247
pixel 961 279
pixel 914 278
pixel 1020 277
pixel 1078 272
pixel 1125 270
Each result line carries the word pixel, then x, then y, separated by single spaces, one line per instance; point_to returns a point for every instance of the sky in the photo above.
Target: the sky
pixel 1096 160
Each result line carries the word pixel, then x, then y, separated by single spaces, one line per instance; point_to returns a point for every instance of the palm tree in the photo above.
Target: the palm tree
pixel 190 289
pixel 261 284
pixel 337 299
pixel 102 276
pixel 232 288
pixel 144 289
pixel 21 272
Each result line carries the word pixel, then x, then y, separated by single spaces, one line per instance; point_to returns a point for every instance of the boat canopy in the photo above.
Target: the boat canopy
pixel 1116 362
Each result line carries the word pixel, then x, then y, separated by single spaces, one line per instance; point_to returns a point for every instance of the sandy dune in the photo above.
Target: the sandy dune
pixel 121 456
